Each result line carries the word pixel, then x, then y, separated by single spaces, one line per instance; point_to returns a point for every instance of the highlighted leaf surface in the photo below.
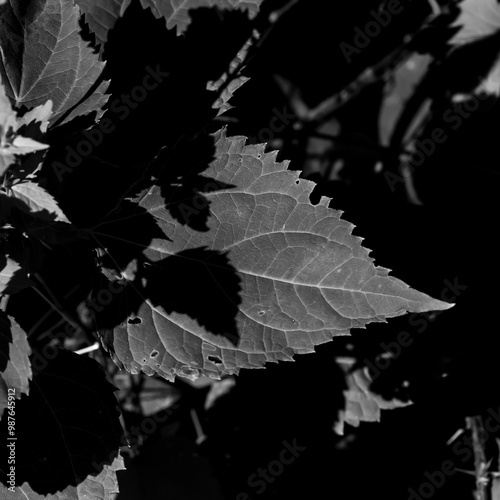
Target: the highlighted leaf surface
pixel 44 57
pixel 303 277
pixel 104 486
pixel 15 368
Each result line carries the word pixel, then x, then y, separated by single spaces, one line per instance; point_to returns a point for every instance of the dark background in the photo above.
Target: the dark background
pixel 450 370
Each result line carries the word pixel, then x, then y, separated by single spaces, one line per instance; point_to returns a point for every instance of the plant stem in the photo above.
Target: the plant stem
pixel 61 311
pixel 475 424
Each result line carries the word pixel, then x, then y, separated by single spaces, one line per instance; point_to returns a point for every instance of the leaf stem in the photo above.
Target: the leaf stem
pixel 60 310
pixel 475 424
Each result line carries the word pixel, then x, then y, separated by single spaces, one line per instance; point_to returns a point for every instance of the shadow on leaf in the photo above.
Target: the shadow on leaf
pixel 183 187
pixel 200 283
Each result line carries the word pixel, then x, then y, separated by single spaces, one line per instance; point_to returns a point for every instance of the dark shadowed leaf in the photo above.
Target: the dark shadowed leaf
pixel 361 404
pixel 68 428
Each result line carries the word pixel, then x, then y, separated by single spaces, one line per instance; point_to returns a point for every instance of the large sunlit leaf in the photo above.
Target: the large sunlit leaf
pixel 292 275
pixel 50 60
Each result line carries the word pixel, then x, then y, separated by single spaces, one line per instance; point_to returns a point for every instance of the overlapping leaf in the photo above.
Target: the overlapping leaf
pixel 12 144
pixel 406 78
pixel 303 277
pixel 41 114
pixel 50 60
pixel 236 80
pixel 101 16
pixel 12 277
pixel 14 358
pixel 361 404
pixel 177 13
pixel 39 202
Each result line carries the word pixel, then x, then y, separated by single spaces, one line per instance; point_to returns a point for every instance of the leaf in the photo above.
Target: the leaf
pixel 41 114
pixel 304 278
pixel 7 115
pixel 217 390
pixel 156 396
pixel 100 487
pixel 236 80
pixel 12 277
pixel 53 61
pixel 14 361
pixel 405 79
pixel 222 102
pixel 101 16
pixel 177 13
pixel 20 146
pixel 7 124
pixel 40 203
pixel 24 145
pixel 491 84
pixel 67 429
pixel 477 19
pixel 361 405
pixel 172 467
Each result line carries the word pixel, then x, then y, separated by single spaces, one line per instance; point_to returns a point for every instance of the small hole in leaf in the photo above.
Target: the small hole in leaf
pixel 261 313
pixel 215 359
pixel 134 321
pixel 157 365
pixel 144 360
pixel 297 182
pixel 154 353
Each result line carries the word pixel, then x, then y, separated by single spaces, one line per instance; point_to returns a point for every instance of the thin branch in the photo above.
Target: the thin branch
pixel 60 310
pixel 475 424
